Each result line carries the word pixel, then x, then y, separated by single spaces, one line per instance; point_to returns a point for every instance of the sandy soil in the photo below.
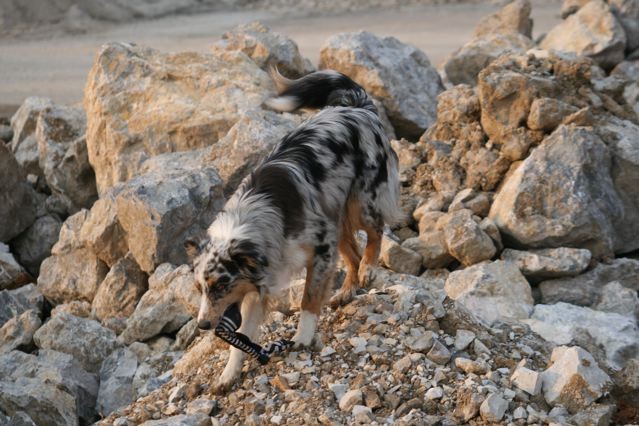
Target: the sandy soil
pixel 57 66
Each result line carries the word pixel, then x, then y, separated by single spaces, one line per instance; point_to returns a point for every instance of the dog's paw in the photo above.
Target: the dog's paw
pixel 314 344
pixel 222 387
pixel 342 298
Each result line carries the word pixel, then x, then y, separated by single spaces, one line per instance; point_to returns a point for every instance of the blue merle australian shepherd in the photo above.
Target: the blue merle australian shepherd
pixel 332 176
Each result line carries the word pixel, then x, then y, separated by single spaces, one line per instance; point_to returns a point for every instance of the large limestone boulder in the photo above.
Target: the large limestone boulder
pixel 593 31
pixel 267 48
pixel 574 380
pixel 563 323
pixel 399 75
pixel 17 198
pixel 549 263
pixel 492 291
pixel 63 159
pixel 562 195
pixel 24 143
pixel 84 339
pixel 141 103
pixel 464 65
pixel 57 390
pixel 512 18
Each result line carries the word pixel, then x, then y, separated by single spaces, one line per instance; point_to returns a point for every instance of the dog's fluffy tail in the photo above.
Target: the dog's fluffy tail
pixel 317 90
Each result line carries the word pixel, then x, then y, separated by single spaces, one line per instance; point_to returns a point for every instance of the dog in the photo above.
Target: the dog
pixel 333 175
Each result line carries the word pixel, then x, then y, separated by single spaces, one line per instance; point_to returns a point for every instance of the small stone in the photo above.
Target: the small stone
pixel 463 338
pixel 350 399
pixel 470 366
pixel 362 414
pixel 438 353
pixel 277 419
pixel 520 413
pixel 177 394
pixel 527 380
pixel 493 408
pixel 338 389
pixel 204 406
pixel 327 351
pixel 400 259
pixel 434 393
pixel 402 365
pixel 292 378
pixel 421 343
pixel 280 383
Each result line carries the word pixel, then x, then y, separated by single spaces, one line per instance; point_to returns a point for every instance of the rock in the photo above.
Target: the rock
pixel 586 289
pixel 573 379
pixel 34 245
pixel 593 31
pixel 155 372
pixel 20 418
pixel 432 248
pixel 629 71
pixel 488 226
pixel 492 291
pixel 17 333
pixel 6 133
pixel 463 338
pixel 16 302
pixel 493 408
pixel 141 103
pixel 520 413
pixel 627 12
pixel 18 209
pixel 24 144
pixel 398 74
pixel 116 381
pixel 421 343
pixel 350 399
pixel 201 405
pixel 402 365
pixel 568 7
pixel 57 390
pixel 465 239
pixel 84 339
pixel 527 380
pixel 159 310
pixel 101 231
pixel 618 299
pixel 120 291
pixel 78 308
pixel 469 366
pixel 438 353
pixel 563 323
pixel 464 65
pixel 362 414
pixel 549 263
pixel 547 114
pixel 399 258
pixel 435 393
pixel 512 18
pixel 595 414
pixel 267 48
pixel 60 133
pixel 478 203
pixel 468 403
pixel 12 275
pixel 428 221
pixel 71 276
pixel 552 199
pixel 166 205
pixel 198 419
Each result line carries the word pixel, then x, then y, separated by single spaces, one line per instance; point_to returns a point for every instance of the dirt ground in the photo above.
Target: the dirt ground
pixel 55 64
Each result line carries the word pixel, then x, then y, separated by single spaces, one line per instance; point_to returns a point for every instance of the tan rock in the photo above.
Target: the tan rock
pixel 399 258
pixel 432 248
pixel 549 263
pixel 514 17
pixel 546 114
pixel 465 239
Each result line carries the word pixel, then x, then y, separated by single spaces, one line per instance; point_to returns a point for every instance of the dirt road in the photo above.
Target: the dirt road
pixel 57 66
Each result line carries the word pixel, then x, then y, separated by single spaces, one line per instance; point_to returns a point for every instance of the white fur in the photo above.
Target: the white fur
pixel 305 328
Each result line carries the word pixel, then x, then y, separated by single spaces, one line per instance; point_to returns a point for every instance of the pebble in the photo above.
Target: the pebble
pixel 438 353
pixel 493 408
pixel 527 380
pixel 434 393
pixel 362 414
pixel 463 338
pixel 350 399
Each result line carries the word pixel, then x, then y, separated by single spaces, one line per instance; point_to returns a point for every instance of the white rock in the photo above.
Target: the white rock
pixel 520 413
pixel 435 393
pixel 463 338
pixel 493 408
pixel 549 263
pixel 350 399
pixel 362 414
pixel 527 380
pixel 338 389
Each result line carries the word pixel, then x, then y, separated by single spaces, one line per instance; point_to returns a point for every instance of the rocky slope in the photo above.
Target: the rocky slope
pixel 507 295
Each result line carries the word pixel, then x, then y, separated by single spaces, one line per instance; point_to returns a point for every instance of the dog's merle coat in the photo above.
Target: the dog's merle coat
pixel 333 175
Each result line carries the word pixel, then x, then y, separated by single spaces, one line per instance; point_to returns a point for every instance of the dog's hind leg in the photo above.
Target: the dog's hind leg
pixel 320 273
pixel 373 225
pixel 349 250
pixel 252 311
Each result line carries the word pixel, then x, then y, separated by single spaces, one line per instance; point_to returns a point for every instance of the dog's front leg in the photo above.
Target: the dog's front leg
pixel 252 311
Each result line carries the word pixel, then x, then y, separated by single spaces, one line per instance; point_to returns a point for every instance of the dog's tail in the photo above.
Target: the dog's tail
pixel 317 90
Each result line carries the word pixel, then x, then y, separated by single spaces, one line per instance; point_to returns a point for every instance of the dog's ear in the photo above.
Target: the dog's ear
pixel 249 259
pixel 192 248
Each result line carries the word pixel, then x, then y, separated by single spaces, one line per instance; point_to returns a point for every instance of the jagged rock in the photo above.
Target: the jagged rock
pixel 593 31
pixel 468 403
pixel 155 372
pixel 568 7
pixel 549 263
pixel 574 379
pixel 15 302
pixel 399 258
pixel 547 113
pixel 464 65
pixel 562 195
pixel 116 381
pixel 527 380
pixel 428 221
pixel 438 353
pixel 490 228
pixel 469 366
pixel 595 414
pixel 563 324
pixel 478 203
pixel 60 133
pixel 78 308
pixel 492 291
pixel 463 338
pixel 34 245
pixel 493 408
pixel 514 17
pixel 159 310
pixel 18 208
pixel 12 274
pixel 84 339
pixel 431 246
pixel 627 12
pixel 101 231
pixel 267 48
pixel 586 289
pixel 71 276
pixel 141 103
pixel 24 144
pixel 350 399
pixel 18 332
pixel 198 419
pixel 120 290
pixel 629 71
pixel 57 390
pixel 19 418
pixel 399 75
pixel 616 298
pixel 465 239
pixel 410 290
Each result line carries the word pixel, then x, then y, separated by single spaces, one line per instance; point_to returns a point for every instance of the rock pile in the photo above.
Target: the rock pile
pixel 507 294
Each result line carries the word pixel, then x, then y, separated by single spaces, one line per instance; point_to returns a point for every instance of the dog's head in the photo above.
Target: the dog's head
pixel 225 271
